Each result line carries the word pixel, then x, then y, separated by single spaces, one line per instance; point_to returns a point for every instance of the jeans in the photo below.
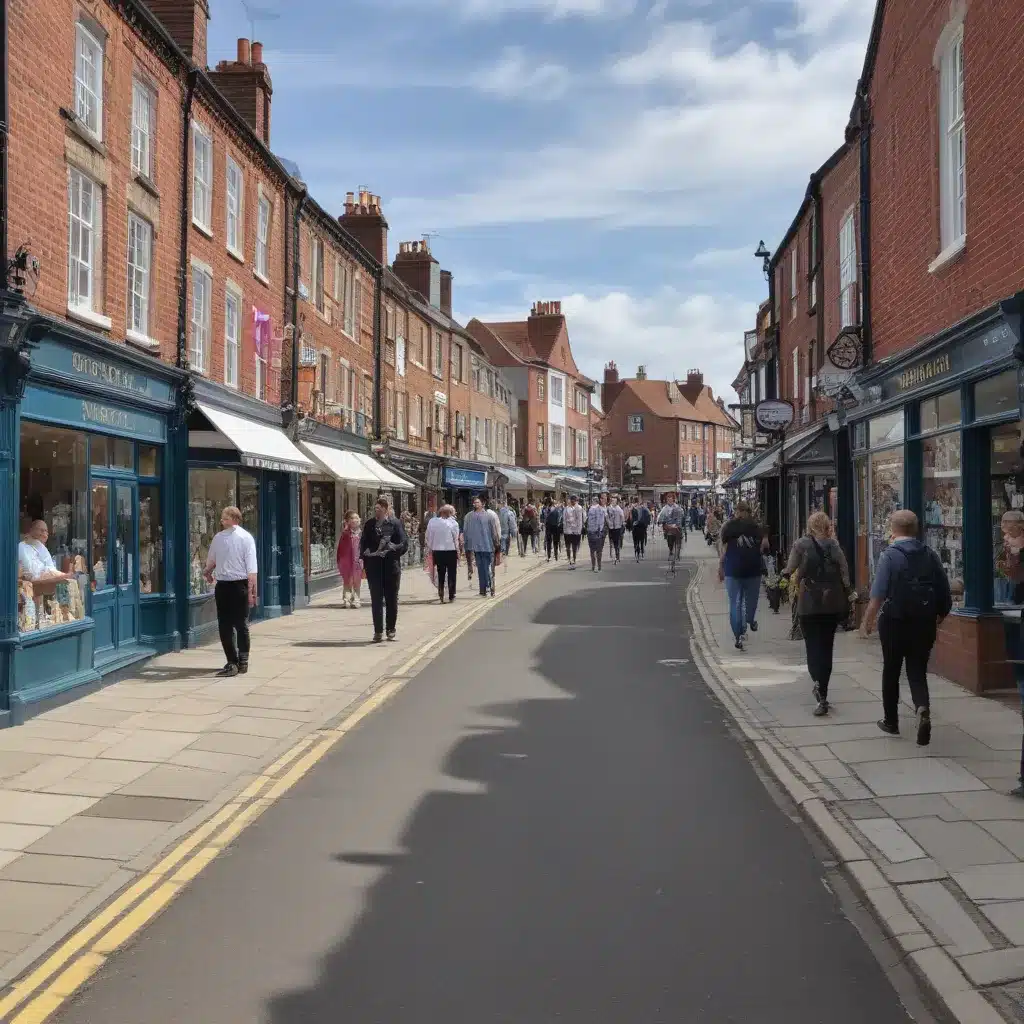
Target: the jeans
pixel 743 592
pixel 484 569
pixel 447 565
pixel 553 540
pixel 616 537
pixel 819 639
pixel 506 543
pixel 232 600
pixel 596 542
pixel 912 642
pixel 572 546
pixel 383 582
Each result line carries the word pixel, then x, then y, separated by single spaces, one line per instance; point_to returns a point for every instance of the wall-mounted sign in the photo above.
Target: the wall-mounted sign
pixel 42 403
pixel 845 352
pixel 96 372
pixel 454 477
pixel 440 397
pixel 924 372
pixel 634 466
pixel 773 415
pixel 833 379
pixel 749 344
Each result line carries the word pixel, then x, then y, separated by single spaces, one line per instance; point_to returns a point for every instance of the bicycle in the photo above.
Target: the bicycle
pixel 672 535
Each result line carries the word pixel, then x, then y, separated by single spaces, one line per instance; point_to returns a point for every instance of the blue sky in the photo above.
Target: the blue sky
pixel 624 156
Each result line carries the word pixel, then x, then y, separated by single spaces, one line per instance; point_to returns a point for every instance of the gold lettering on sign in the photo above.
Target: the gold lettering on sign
pixel 919 374
pixel 103 371
pixel 93 412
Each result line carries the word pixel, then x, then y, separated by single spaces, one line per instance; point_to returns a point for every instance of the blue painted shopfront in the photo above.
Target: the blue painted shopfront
pixel 85 447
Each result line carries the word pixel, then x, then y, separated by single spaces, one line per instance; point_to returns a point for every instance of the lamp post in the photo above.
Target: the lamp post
pixel 765 256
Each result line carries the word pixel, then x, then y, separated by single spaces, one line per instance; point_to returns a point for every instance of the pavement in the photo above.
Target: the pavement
pixel 92 793
pixel 551 821
pixel 930 835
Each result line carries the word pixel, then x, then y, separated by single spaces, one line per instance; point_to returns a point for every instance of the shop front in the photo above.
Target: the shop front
pixel 239 455
pixel 465 481
pixel 419 468
pixel 88 511
pixel 940 434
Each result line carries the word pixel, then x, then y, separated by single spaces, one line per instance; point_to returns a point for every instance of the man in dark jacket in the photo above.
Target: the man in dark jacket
pixel 381 547
pixel 912 594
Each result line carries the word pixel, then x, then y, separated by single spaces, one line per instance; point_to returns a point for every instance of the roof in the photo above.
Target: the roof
pixel 654 395
pixel 528 342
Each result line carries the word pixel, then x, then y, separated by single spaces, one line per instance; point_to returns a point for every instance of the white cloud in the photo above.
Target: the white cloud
pixel 554 9
pixel 514 75
pixel 724 259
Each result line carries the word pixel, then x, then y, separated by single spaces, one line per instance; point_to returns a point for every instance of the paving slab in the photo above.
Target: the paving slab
pixel 55 870
pixel 143 808
pixel 915 775
pixel 998 882
pixel 1008 918
pixel 150 745
pixel 957 844
pixel 177 782
pixel 21 808
pixel 994 968
pixel 890 839
pixel 32 907
pixel 946 918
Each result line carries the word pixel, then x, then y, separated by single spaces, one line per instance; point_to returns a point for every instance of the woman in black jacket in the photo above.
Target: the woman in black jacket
pixel 381 547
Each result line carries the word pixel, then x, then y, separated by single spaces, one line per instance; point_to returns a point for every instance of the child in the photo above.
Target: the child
pixel 350 565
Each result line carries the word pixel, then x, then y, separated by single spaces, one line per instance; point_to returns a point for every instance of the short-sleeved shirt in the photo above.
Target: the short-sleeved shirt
pixel 233 555
pixel 34 559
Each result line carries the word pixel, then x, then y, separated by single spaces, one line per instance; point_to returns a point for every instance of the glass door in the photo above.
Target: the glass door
pixel 113 563
pixel 126 562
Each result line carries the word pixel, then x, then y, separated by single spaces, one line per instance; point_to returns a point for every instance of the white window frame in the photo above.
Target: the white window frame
pixel 140 264
pixel 85 242
pixel 234 206
pixel 89 79
pixel 317 256
pixel 557 391
pixel 202 180
pixel 953 142
pixel 849 312
pixel 143 128
pixel 264 212
pixel 456 348
pixel 438 355
pixel 635 424
pixel 200 318
pixel 557 441
pixel 232 344
pixel 794 274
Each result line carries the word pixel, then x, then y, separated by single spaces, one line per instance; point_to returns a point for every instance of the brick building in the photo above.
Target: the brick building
pixel 665 435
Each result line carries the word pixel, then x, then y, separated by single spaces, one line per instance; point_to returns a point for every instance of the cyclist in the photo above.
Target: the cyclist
pixel 670 519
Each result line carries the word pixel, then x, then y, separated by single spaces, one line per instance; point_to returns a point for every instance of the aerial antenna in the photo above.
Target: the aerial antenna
pixel 255 14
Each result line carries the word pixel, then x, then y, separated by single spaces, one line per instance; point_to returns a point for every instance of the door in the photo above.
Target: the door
pixel 114 565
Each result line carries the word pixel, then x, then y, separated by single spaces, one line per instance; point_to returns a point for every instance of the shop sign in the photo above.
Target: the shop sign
pixel 773 415
pixel 440 397
pixel 924 372
pixel 94 371
pixel 87 414
pixel 464 478
pixel 832 379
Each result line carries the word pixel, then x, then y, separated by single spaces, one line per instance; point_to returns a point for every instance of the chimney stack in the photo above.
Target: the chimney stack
pixel 641 373
pixel 446 292
pixel 245 82
pixel 364 220
pixel 611 387
pixel 693 386
pixel 611 373
pixel 420 271
pixel 546 309
pixel 186 22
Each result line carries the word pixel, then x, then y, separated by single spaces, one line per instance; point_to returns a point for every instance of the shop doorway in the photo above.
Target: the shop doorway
pixel 115 565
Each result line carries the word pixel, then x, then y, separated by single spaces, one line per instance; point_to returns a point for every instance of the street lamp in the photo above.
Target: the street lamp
pixel 765 256
pixel 20 326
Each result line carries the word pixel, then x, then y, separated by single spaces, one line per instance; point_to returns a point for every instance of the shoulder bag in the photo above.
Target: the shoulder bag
pixel 822 591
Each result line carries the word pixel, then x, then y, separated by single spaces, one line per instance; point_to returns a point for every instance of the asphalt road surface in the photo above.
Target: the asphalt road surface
pixel 552 824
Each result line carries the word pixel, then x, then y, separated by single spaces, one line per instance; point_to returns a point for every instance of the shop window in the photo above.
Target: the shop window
pixel 54 511
pixel 322 527
pixel 942 411
pixel 887 429
pixel 996 395
pixel 111 452
pixel 887 472
pixel 151 540
pixel 102 577
pixel 944 508
pixel 210 491
pixel 1007 495
pixel 149 460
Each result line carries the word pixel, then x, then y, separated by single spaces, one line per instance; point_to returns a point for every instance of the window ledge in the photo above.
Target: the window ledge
pixel 76 125
pixel 143 181
pixel 236 255
pixel 142 340
pixel 261 278
pixel 90 317
pixel 948 255
pixel 201 228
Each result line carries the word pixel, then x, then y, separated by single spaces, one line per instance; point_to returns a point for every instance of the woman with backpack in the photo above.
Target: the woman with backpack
pixel 822 586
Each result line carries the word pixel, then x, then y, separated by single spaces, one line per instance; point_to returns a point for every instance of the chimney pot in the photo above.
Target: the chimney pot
pixel 243 51
pixel 558 307
pixel 256 53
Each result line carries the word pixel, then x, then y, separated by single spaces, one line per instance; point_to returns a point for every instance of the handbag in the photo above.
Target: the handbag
pixel 820 595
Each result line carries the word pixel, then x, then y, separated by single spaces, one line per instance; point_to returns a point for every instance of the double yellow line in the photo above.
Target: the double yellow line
pixel 41 992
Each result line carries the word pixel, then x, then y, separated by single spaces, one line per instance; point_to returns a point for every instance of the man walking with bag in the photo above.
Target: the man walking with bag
pixel 381 548
pixel 909 599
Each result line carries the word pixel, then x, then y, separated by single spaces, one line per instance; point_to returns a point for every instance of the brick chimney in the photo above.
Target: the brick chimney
pixel 694 385
pixel 611 373
pixel 364 221
pixel 419 270
pixel 446 292
pixel 185 21
pixel 245 82
pixel 641 373
pixel 546 309
pixel 611 387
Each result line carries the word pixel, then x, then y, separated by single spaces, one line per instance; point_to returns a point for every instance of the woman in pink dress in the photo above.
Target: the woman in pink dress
pixel 350 565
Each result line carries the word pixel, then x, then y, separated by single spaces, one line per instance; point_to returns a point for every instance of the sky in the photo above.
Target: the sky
pixel 622 156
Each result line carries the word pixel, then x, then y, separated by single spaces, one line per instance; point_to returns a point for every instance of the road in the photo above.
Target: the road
pixel 552 823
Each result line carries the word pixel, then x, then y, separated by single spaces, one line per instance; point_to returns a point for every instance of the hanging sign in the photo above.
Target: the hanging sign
pixel 773 415
pixel 833 379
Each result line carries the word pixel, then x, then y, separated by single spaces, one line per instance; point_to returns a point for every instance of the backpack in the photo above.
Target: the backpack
pixel 745 551
pixel 822 591
pixel 555 519
pixel 912 593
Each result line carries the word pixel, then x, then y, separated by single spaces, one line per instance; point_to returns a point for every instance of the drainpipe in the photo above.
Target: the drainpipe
pixel 296 330
pixel 4 124
pixel 864 128
pixel 378 369
pixel 819 248
pixel 186 202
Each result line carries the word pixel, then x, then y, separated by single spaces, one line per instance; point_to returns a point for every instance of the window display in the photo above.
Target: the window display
pixel 861 570
pixel 887 429
pixel 996 395
pixel 942 411
pixel 151 540
pixel 886 498
pixel 943 508
pixel 322 524
pixel 1007 475
pixel 210 491
pixel 111 452
pixel 54 510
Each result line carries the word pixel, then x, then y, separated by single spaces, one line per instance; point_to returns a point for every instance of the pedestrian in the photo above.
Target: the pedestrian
pixel 231 561
pixel 743 541
pixel 1010 568
pixel 350 565
pixel 443 544
pixel 529 527
pixel 572 529
pixel 616 527
pixel 670 519
pixel 481 536
pixel 509 525
pixel 819 572
pixel 381 547
pixel 553 531
pixel 597 530
pixel 640 524
pixel 713 528
pixel 909 599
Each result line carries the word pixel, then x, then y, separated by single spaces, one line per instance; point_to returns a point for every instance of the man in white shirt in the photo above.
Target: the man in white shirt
pixel 232 563
pixel 34 559
pixel 572 529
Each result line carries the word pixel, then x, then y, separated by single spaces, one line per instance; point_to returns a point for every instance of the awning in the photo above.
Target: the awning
pixel 260 445
pixel 517 480
pixel 544 483
pixel 767 464
pixel 389 480
pixel 355 468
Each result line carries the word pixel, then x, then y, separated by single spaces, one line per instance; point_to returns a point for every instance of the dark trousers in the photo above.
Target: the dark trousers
pixel 383 582
pixel 552 540
pixel 819 638
pixel 904 640
pixel 572 546
pixel 232 601
pixel 447 565
pixel 616 536
pixel 639 539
